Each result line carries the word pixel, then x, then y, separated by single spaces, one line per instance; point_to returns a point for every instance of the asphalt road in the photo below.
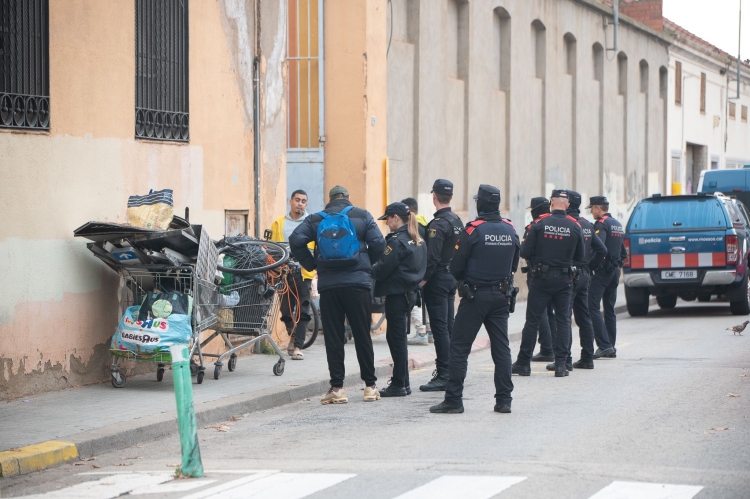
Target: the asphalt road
pixel 657 422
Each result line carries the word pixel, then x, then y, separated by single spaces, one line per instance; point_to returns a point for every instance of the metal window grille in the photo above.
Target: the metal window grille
pixel 161 71
pixel 24 64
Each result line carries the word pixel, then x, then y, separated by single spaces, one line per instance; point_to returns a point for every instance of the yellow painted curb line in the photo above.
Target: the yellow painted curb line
pixel 36 457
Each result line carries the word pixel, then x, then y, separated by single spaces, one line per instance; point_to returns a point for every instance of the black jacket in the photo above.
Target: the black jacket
pixel 593 246
pixel 612 233
pixel 554 239
pixel 442 232
pixel 331 274
pixel 402 265
pixel 486 252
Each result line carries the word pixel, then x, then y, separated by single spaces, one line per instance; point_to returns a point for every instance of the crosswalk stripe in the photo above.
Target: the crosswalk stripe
pixel 642 490
pixel 108 487
pixel 285 486
pixel 213 491
pixel 171 487
pixel 466 487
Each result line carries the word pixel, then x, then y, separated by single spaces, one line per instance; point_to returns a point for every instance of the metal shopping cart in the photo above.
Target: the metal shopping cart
pixel 248 301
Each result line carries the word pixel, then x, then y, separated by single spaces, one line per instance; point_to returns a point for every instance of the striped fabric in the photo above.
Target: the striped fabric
pixel 684 260
pixel 163 196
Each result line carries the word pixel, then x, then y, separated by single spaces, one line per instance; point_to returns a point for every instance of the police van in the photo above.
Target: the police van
pixel 733 183
pixel 689 246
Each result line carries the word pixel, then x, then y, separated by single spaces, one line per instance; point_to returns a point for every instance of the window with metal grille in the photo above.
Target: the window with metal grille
pixel 161 70
pixel 24 64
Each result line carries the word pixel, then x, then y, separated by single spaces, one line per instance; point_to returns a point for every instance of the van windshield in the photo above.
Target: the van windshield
pixel 678 214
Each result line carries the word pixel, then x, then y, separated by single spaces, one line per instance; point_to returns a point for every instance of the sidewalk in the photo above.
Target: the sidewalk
pixel 83 422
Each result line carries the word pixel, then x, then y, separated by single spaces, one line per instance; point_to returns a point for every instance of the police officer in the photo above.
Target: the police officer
pixel 595 251
pixel 397 276
pixel 540 206
pixel 553 244
pixel 606 278
pixel 485 260
pixel 439 286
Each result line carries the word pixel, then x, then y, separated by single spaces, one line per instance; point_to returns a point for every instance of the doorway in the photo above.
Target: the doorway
pixel 696 157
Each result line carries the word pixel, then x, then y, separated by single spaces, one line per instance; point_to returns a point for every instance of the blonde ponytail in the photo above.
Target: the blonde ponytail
pixel 413 229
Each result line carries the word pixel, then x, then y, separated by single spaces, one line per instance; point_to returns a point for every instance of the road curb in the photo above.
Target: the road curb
pixel 36 457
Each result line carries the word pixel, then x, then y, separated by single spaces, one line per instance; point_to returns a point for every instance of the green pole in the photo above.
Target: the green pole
pixel 183 390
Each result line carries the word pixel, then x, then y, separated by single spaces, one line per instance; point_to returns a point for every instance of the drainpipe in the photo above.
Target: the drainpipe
pixel 256 144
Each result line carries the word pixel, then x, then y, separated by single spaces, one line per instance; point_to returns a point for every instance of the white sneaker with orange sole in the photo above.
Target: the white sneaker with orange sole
pixel 334 397
pixel 371 394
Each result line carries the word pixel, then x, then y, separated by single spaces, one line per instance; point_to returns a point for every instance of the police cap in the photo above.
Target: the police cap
pixel 488 193
pixel 597 200
pixel 537 202
pixel 559 193
pixel 443 187
pixel 575 199
pixel 396 208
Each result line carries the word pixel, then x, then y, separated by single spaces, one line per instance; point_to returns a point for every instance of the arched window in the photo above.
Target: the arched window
pixel 501 48
pixel 539 33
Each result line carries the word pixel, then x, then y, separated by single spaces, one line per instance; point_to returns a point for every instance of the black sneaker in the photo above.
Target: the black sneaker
pixel 447 408
pixel 569 367
pixel 393 391
pixel 584 364
pixel 502 408
pixel 520 370
pixel 609 353
pixel 438 383
pixel 542 358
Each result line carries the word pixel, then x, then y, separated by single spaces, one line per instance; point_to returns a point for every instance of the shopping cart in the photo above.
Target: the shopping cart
pixel 248 303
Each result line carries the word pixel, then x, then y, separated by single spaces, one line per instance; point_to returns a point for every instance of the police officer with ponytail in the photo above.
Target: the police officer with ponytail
pixel 486 257
pixel 397 276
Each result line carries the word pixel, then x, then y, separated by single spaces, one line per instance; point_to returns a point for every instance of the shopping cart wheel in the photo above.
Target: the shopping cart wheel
pixel 199 377
pixel 278 368
pixel 217 370
pixel 118 380
pixel 160 373
pixel 232 362
pixel 194 368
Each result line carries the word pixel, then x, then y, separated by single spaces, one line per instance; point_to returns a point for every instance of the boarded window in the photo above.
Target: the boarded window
pixel 744 114
pixel 703 92
pixel 732 111
pixel 678 82
pixel 236 223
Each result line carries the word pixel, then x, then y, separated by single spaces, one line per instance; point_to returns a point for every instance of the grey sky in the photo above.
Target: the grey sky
pixel 716 21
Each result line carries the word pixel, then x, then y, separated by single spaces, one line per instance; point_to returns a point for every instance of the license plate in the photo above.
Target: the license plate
pixel 679 274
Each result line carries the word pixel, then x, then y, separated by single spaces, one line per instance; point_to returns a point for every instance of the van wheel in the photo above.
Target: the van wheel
pixel 742 307
pixel 666 302
pixel 636 300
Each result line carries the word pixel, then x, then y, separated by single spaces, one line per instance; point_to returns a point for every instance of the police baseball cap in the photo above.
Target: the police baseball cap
pixel 575 198
pixel 338 190
pixel 442 186
pixel 397 208
pixel 597 200
pixel 559 193
pixel 488 193
pixel 537 202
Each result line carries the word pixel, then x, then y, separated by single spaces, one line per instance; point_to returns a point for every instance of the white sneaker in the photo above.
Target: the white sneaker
pixel 371 393
pixel 418 339
pixel 335 397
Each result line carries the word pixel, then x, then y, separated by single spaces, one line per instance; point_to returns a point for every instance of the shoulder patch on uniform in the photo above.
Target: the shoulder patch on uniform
pixel 528 227
pixel 545 215
pixel 507 221
pixel 431 232
pixel 603 218
pixel 388 250
pixel 572 219
pixel 597 231
pixel 472 225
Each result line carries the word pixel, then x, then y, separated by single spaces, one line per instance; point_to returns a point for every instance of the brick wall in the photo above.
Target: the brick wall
pixel 648 12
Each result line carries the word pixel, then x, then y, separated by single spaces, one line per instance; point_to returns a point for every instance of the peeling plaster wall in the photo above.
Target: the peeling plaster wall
pixel 540 144
pixel 58 303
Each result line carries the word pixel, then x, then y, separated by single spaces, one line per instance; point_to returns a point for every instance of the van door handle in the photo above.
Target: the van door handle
pixel 677 249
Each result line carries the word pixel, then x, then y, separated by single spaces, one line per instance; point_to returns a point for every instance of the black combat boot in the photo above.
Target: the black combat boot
pixel 520 370
pixel 446 407
pixel 584 364
pixel 502 408
pixel 438 383
pixel 569 367
pixel 540 357
pixel 561 371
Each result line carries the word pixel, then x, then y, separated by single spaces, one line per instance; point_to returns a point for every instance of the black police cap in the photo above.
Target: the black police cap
pixel 488 193
pixel 574 198
pixel 597 200
pixel 537 202
pixel 559 193
pixel 397 208
pixel 443 187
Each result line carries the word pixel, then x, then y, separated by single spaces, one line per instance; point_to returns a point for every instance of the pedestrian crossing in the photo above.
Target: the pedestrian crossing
pixel 275 484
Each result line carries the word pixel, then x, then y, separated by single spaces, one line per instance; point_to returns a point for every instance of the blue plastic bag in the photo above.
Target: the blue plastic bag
pixel 149 339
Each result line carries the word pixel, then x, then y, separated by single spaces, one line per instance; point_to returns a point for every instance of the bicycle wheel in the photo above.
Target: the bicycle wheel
pixel 312 328
pixel 279 251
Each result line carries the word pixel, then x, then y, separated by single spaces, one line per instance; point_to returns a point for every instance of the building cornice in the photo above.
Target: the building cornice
pixel 608 10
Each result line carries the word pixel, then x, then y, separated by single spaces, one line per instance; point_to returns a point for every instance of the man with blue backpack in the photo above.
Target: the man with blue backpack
pixel 347 243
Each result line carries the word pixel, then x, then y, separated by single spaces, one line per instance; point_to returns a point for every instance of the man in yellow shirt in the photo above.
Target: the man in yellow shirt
pixel 295 304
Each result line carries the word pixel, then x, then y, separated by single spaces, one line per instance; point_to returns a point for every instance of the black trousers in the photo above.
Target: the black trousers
pixel 554 291
pixel 298 298
pixel 440 298
pixel 603 290
pixel 354 305
pixel 397 311
pixel 580 306
pixel 547 331
pixel 489 307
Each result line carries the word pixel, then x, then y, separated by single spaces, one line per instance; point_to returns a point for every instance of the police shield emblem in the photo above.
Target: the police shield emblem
pixel 387 250
pixel 431 233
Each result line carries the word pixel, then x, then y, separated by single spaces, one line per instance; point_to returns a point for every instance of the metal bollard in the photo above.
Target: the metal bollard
pixel 183 390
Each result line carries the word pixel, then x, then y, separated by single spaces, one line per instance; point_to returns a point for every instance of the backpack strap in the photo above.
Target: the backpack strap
pixel 322 214
pixel 346 210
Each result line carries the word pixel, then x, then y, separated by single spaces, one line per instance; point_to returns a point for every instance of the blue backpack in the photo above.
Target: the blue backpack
pixel 337 237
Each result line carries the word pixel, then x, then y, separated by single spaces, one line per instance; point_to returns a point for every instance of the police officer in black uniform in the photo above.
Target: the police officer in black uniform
pixel 540 206
pixel 397 276
pixel 595 251
pixel 439 286
pixel 485 260
pixel 606 278
pixel 553 244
